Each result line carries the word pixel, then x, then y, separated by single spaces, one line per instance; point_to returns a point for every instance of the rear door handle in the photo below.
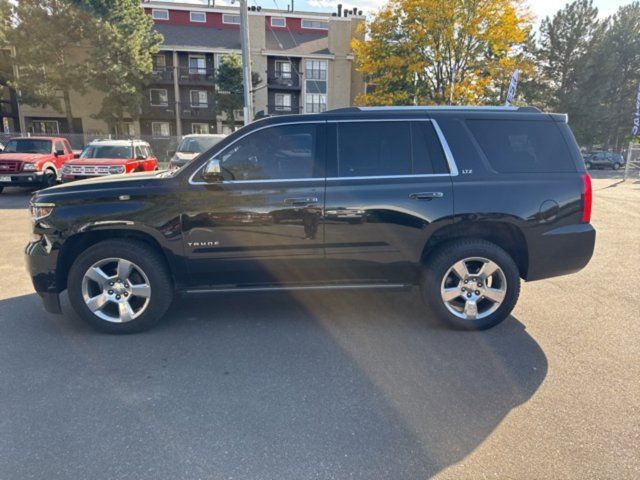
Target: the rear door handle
pixel 301 201
pixel 425 195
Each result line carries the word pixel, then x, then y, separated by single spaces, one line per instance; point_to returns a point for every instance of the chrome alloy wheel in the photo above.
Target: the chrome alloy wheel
pixel 473 288
pixel 116 290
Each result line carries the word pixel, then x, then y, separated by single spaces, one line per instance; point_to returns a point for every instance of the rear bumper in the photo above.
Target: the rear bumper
pixel 41 260
pixel 22 179
pixel 561 251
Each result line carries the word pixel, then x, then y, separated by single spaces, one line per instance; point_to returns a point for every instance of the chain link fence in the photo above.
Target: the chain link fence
pixel 632 167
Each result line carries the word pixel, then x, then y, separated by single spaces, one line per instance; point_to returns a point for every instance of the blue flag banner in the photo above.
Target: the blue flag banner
pixel 512 88
pixel 636 118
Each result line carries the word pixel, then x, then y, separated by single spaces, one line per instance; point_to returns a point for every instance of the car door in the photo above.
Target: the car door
pixel 388 188
pixel 261 224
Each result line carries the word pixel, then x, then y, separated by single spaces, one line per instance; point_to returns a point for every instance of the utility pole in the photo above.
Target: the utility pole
pixel 246 62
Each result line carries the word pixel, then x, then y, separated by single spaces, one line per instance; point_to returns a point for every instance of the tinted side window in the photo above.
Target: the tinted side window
pixel 428 156
pixel 374 149
pixel 522 146
pixel 285 152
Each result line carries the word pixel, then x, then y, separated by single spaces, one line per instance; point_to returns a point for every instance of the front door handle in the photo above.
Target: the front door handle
pixel 301 201
pixel 425 195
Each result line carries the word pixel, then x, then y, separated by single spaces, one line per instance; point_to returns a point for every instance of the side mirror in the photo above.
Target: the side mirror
pixel 212 172
pixel 59 153
pixel 76 155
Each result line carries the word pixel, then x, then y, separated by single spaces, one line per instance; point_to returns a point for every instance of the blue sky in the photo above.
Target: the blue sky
pixel 540 8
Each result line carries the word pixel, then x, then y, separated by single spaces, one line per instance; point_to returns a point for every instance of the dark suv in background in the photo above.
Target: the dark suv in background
pixel 600 159
pixel 463 202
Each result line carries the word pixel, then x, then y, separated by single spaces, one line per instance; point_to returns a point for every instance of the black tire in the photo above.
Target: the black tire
pixel 444 258
pixel 143 256
pixel 50 178
pixel 616 166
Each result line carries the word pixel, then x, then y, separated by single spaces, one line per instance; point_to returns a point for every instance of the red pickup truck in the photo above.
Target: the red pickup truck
pixel 33 161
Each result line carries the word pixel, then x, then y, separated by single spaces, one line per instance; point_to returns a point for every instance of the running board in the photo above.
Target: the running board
pixel 363 286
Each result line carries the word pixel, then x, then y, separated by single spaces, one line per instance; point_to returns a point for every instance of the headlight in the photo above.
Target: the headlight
pixel 29 167
pixel 116 169
pixel 40 210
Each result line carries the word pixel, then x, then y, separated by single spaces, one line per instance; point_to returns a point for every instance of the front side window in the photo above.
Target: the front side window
pixel 369 149
pixel 59 147
pixel 282 152
pixel 199 98
pixel 160 129
pixel 522 146
pixel 159 97
pixel 27 145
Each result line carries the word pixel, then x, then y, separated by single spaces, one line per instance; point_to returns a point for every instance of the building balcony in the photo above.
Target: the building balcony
pixel 196 76
pixel 289 81
pixel 158 112
pixel 162 75
pixel 283 110
pixel 202 111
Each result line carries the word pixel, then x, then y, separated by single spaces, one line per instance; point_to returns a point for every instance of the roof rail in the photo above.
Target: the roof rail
pixel 435 107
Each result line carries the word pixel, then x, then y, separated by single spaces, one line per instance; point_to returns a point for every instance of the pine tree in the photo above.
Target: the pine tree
pixel 231 87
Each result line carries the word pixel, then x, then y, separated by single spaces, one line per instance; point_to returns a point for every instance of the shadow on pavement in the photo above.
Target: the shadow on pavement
pixel 349 385
pixel 15 198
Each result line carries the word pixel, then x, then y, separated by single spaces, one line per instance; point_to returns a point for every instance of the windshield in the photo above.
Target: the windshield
pixel 28 145
pixel 107 151
pixel 197 144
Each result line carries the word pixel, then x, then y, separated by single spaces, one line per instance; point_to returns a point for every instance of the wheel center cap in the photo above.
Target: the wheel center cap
pixel 119 288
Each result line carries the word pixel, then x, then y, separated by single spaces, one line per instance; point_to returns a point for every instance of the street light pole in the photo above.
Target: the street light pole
pixel 246 62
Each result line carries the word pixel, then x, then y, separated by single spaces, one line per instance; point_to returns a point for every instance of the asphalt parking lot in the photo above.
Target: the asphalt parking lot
pixel 332 386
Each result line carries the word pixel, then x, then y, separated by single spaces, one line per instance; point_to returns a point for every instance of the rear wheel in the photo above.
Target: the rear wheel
pixel 120 286
pixel 470 284
pixel 616 166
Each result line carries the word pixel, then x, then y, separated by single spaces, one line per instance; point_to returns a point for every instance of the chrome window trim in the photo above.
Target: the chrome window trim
pixel 453 169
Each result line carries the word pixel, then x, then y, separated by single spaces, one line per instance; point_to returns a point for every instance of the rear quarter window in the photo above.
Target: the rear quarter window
pixel 522 146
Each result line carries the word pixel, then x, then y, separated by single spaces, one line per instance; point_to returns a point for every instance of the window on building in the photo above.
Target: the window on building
pixel 229 19
pixel 199 128
pixel 160 129
pixel 159 97
pixel 157 14
pixel 198 98
pixel 283 102
pixel 281 152
pixel 198 17
pixel 315 24
pixel 283 69
pixel 315 86
pixel 159 62
pixel 197 65
pixel 522 146
pixel 45 126
pixel 127 129
pixel 278 22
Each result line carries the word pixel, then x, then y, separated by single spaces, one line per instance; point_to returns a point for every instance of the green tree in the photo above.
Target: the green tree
pixel 49 37
pixel 412 49
pixel 121 56
pixel 231 88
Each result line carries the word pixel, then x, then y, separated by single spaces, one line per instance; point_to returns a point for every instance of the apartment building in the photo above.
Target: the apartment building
pixel 304 60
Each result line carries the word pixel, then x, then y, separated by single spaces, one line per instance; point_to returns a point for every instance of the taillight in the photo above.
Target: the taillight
pixel 587 198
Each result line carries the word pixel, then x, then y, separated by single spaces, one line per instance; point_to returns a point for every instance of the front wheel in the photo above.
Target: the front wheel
pixel 120 286
pixel 616 166
pixel 470 284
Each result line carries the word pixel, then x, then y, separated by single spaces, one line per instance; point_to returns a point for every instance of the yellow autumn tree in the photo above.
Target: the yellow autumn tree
pixel 411 49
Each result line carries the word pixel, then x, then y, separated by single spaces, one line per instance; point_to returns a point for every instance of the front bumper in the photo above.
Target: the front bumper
pixel 21 179
pixel 41 260
pixel 561 251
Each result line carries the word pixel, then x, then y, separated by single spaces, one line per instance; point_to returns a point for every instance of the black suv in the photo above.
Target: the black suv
pixel 603 160
pixel 463 202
